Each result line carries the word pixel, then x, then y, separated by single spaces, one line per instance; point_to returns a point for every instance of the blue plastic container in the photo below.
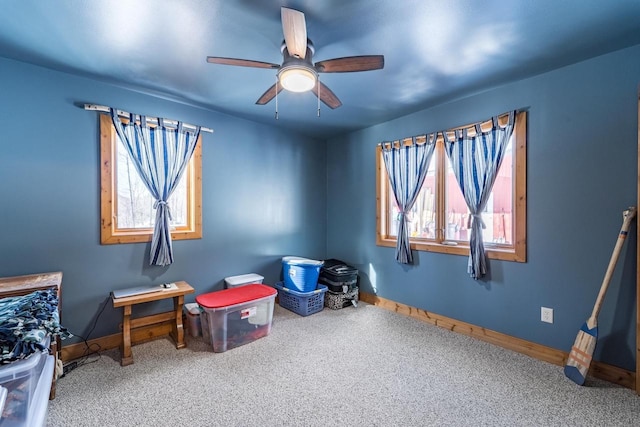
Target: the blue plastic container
pixel 302 303
pixel 301 274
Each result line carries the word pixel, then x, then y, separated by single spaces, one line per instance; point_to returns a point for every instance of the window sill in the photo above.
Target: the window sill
pixel 141 236
pixel 504 254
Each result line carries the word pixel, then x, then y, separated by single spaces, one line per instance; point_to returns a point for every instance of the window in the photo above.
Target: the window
pixel 438 220
pixel 127 214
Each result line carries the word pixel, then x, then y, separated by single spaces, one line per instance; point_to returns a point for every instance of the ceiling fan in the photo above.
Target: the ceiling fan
pixel 298 73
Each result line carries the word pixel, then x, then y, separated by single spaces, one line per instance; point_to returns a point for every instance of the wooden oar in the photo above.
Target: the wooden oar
pixel 581 353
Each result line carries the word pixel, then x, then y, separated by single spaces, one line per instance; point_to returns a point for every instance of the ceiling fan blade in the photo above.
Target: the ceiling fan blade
pixel 294 29
pixel 327 96
pixel 269 94
pixel 241 62
pixel 350 64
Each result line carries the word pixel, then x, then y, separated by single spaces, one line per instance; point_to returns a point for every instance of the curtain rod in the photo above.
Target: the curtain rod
pixel 404 141
pixel 105 109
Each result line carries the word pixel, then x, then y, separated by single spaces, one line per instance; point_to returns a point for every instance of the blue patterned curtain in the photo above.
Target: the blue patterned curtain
pixel 160 155
pixel 476 161
pixel 407 167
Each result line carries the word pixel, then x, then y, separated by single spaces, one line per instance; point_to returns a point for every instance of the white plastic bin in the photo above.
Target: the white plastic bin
pixel 192 311
pixel 241 280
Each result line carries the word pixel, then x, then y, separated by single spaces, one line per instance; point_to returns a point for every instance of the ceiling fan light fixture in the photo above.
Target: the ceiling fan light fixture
pixel 297 79
pixel 298 72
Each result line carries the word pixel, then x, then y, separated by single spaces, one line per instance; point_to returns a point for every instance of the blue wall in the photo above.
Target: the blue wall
pixel 263 195
pixel 266 193
pixel 582 173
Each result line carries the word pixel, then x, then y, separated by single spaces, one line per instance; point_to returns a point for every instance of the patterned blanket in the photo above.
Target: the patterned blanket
pixel 26 322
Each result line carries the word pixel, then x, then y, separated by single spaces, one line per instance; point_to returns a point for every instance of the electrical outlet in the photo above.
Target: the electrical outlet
pixel 546 314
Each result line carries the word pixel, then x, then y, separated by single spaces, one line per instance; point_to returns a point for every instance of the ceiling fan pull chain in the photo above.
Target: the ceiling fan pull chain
pixel 276 97
pixel 318 83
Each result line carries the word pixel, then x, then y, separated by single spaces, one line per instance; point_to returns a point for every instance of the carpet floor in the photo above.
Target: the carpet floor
pixel 362 366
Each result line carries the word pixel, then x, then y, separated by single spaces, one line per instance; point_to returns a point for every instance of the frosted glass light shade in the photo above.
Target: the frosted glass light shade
pixel 297 79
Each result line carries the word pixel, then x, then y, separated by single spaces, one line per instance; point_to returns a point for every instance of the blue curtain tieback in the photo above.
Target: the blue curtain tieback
pixel 404 214
pixel 159 203
pixel 478 218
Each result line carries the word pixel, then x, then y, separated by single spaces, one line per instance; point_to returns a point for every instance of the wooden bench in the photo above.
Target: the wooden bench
pixel 175 316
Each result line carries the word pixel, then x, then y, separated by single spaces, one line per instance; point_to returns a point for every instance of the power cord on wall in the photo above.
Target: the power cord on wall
pixel 90 349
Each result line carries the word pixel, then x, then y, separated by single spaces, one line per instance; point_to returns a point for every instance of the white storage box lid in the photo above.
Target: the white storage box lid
pixel 243 279
pixel 28 368
pixel 192 308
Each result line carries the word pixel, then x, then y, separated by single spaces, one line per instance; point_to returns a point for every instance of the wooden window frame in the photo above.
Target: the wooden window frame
pixel 109 232
pixel 516 252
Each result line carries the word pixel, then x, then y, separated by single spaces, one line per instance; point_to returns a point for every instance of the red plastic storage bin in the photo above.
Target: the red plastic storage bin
pixel 236 316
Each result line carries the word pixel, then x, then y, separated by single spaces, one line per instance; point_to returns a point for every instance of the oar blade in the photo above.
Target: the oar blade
pixel 581 353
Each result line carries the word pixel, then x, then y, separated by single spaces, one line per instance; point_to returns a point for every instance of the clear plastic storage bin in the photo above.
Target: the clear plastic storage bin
pixel 28 383
pixel 234 317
